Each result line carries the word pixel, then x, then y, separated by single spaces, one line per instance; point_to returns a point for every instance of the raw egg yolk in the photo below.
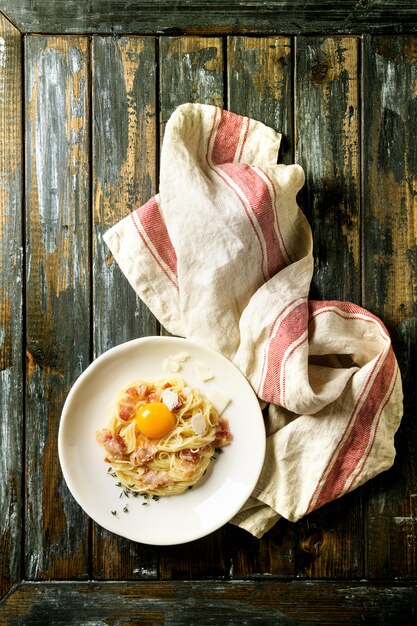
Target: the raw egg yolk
pixel 155 420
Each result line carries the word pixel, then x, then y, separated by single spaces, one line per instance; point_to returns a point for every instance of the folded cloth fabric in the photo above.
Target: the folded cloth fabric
pixel 223 256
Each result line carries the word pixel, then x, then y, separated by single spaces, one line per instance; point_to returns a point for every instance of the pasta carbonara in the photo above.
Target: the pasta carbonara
pixel 161 436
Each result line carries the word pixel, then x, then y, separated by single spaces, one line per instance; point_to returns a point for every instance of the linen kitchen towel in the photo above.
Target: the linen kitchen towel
pixel 223 256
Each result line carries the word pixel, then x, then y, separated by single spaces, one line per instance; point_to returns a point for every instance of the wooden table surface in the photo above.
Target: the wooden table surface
pixel 81 123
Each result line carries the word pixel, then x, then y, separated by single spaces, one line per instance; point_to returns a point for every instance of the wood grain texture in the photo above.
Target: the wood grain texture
pixel 263 603
pixel 328 148
pixel 124 166
pixel 58 296
pixel 11 322
pixel 259 79
pixel 390 283
pixel 204 16
pixel 191 70
pixel 273 555
pixel 124 172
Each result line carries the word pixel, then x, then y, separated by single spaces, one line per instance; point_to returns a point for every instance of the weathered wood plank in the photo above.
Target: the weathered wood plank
pixel 328 147
pixel 205 16
pixel 124 173
pixel 11 326
pixel 259 79
pixel 58 327
pixel 191 70
pixel 270 603
pixel 390 283
pixel 124 164
pixel 273 555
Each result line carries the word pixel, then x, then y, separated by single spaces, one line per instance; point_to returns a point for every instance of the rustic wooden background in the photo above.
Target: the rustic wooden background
pixel 82 118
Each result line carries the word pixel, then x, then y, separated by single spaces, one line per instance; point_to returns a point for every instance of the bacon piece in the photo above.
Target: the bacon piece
pixel 191 456
pixel 103 435
pixel 153 479
pixel 180 403
pixel 114 445
pixel 129 400
pixel 142 455
pixel 223 434
pixel 154 396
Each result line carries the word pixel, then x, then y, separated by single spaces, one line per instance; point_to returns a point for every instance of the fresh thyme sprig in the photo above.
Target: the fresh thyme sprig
pixel 130 492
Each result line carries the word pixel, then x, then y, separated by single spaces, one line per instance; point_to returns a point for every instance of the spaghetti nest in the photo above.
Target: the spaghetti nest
pixel 168 464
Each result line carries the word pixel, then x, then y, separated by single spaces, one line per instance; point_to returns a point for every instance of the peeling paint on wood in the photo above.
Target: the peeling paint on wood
pixel 58 329
pixel 11 384
pixel 208 16
pixel 328 147
pixel 390 282
pixel 258 75
pixel 124 177
pixel 260 84
pixel 263 603
pixel 191 70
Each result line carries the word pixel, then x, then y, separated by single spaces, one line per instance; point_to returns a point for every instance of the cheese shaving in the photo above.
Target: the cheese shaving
pixel 219 400
pixel 203 372
pixel 198 424
pixel 169 398
pixel 173 362
pixel 171 366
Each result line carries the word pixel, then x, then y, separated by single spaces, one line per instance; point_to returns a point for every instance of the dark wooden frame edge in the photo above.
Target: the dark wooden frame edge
pixel 162 17
pixel 268 602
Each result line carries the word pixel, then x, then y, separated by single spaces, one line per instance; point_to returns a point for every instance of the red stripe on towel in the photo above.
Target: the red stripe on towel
pixel 288 333
pixel 257 194
pixel 288 258
pixel 214 168
pixel 227 138
pixel 271 332
pixel 354 479
pixel 244 139
pixel 155 257
pixel 346 458
pixel 151 219
pixel 317 307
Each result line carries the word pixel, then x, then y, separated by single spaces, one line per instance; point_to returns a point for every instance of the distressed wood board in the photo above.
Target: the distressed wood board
pixel 58 328
pixel 11 304
pixel 123 177
pixel 204 16
pixel 267 603
pixel 93 112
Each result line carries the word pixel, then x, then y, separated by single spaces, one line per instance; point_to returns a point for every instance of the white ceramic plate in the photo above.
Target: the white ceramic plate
pixel 213 501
